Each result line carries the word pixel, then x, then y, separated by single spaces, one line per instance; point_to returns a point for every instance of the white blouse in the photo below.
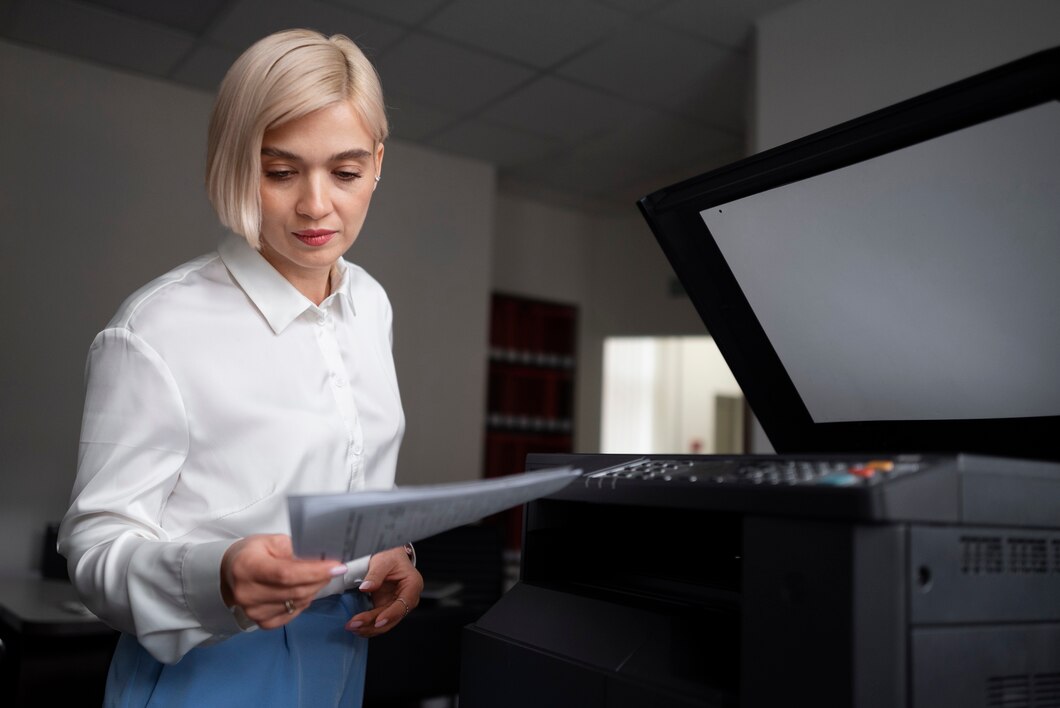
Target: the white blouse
pixel 216 391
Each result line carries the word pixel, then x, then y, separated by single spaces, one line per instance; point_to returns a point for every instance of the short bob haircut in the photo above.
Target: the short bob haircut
pixel 278 79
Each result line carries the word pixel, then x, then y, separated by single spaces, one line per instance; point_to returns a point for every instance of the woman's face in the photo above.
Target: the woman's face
pixel 318 173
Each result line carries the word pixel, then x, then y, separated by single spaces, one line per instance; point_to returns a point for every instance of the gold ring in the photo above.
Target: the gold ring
pixel 289 605
pixel 406 607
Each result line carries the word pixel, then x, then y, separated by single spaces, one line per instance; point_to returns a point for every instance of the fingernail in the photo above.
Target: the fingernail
pixel 380 622
pixel 354 624
pixel 366 585
pixel 338 570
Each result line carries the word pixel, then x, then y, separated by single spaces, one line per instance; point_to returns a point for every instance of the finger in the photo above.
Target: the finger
pixel 276 614
pixel 379 567
pixel 286 573
pixel 378 620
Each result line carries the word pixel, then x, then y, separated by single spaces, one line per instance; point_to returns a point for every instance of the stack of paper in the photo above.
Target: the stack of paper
pixel 347 526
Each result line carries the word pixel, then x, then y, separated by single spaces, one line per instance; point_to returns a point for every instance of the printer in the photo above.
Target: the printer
pixel 887 294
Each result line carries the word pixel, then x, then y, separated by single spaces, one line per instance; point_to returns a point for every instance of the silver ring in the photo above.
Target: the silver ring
pixel 289 606
pixel 406 607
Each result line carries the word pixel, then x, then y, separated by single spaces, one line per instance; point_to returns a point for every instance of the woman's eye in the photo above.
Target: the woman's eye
pixel 279 175
pixel 347 176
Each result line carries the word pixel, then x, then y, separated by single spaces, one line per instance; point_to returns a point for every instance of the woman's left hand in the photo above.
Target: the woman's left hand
pixel 394 585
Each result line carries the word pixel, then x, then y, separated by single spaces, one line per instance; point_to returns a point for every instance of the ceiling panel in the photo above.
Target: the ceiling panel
pixel 191 16
pixel 667 68
pixel 99 34
pixel 411 119
pixel 581 100
pixel 443 75
pixel 635 7
pixel 585 112
pixel 538 33
pixel 250 20
pixel 407 12
pixel 502 146
pixel 727 22
pixel 205 66
pixel 630 155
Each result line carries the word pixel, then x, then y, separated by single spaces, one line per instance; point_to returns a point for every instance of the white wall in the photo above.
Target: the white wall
pixel 820 62
pixel 102 191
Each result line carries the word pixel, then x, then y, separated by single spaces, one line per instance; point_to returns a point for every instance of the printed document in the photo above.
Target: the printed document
pixel 347 526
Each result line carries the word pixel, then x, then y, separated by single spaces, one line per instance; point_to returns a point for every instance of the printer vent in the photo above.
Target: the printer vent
pixel 1019 555
pixel 1023 691
pixel 1047 691
pixel 1028 555
pixel 982 554
pixel 1009 692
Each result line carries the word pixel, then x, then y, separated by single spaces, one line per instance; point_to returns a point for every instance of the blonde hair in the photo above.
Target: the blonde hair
pixel 280 78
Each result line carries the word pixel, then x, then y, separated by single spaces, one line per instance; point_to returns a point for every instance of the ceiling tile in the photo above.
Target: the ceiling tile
pixel 561 109
pixel 647 183
pixel 408 12
pixel 250 20
pixel 630 155
pixel 99 34
pixel 635 94
pixel 634 7
pixel 446 76
pixel 727 22
pixel 498 145
pixel 205 66
pixel 538 33
pixel 721 98
pixel 188 16
pixel 669 69
pixel 411 120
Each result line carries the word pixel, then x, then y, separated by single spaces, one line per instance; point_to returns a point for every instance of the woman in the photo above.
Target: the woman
pixel 241 377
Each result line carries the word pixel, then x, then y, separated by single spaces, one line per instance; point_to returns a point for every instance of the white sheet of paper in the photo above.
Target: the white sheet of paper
pixel 348 526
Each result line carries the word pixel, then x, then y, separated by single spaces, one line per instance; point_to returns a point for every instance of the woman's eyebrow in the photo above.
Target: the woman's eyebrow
pixel 277 152
pixel 352 154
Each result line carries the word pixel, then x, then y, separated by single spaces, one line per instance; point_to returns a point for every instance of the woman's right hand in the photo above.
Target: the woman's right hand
pixel 261 576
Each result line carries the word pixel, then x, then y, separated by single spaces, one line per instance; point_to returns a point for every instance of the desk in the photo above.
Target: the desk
pixel 51 653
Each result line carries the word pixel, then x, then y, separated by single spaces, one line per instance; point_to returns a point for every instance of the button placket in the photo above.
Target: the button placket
pixel 338 378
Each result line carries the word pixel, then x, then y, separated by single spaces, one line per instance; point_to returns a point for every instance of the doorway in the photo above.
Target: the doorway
pixel 670 395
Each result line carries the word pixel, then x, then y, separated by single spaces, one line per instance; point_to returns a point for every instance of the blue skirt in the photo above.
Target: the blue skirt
pixel 310 661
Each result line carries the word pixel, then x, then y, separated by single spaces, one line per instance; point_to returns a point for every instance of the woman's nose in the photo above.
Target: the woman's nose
pixel 313 202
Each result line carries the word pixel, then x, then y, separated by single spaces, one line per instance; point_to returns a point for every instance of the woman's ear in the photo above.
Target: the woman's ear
pixel 378 165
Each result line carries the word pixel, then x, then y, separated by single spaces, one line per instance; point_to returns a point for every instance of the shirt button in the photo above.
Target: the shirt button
pixel 340 382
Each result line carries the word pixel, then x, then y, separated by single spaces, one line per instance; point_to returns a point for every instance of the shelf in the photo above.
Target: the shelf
pixel 531 389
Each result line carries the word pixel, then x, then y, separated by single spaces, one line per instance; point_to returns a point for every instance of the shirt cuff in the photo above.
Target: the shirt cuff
pixel 201 576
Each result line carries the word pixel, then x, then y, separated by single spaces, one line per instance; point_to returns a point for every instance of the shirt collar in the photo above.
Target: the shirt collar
pixel 274 296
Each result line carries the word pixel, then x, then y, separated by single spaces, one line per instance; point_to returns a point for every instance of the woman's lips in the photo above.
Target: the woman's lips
pixel 314 237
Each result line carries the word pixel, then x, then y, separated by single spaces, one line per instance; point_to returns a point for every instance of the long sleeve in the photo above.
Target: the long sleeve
pixel 134 442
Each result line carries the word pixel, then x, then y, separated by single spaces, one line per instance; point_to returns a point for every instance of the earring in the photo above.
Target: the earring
pixel 377 178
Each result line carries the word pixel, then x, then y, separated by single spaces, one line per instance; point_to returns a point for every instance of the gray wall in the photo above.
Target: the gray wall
pixel 609 266
pixel 103 191
pixel 820 62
